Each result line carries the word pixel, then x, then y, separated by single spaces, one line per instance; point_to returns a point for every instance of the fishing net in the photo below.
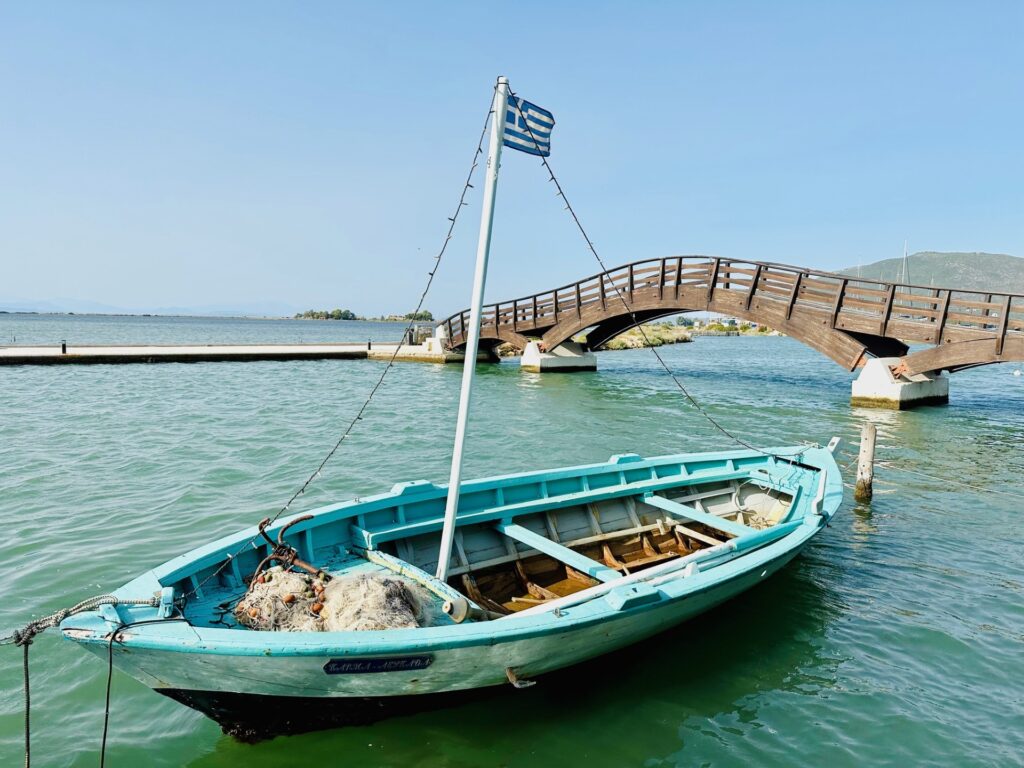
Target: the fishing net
pixel 280 601
pixel 373 602
pixel 285 601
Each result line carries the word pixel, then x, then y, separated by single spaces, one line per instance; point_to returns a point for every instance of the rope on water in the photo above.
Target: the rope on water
pixel 28 711
pixel 110 673
pixel 628 306
pixel 26 635
pixel 949 479
pixel 106 699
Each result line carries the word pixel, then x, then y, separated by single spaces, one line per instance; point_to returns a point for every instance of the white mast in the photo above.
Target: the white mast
pixel 483 248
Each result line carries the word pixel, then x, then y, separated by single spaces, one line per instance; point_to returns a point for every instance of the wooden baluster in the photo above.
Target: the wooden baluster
pixel 679 274
pixel 630 286
pixel 554 303
pixel 715 266
pixel 1003 324
pixel 604 297
pixel 887 312
pixel 943 314
pixel 535 311
pixel 838 303
pixel 794 294
pixel 579 302
pixel 753 284
pixel 661 282
pixel 515 315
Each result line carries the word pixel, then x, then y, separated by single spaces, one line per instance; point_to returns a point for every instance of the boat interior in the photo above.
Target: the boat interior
pixel 508 567
pixel 524 544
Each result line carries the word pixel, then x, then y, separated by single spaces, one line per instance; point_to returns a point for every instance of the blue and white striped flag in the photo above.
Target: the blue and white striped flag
pixel 532 134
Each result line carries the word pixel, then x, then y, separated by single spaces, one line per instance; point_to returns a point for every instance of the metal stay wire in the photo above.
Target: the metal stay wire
pixel 24 637
pixel 391 362
pixel 628 307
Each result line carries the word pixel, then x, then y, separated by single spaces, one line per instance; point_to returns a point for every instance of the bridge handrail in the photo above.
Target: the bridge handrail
pixel 896 301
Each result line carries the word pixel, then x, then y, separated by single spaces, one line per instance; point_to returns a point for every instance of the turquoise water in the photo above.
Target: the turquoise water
pixel 898 638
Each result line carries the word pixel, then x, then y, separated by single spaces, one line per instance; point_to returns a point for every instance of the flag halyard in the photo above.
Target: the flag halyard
pixel 528 127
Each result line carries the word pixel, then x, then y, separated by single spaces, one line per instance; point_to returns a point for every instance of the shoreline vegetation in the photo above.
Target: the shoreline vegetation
pixel 308 315
pixel 657 334
pixel 660 334
pixel 423 316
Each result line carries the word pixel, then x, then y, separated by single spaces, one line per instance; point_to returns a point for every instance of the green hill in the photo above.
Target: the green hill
pixel 969 271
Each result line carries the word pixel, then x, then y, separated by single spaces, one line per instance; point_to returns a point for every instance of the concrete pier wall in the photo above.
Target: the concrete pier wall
pixel 429 352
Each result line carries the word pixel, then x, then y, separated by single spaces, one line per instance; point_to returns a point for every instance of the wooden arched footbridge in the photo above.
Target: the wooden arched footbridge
pixel 848 319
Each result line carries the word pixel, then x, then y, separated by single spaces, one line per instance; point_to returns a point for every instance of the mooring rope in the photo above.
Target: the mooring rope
pixel 110 675
pixel 106 697
pixel 628 307
pixel 952 480
pixel 28 709
pixel 26 635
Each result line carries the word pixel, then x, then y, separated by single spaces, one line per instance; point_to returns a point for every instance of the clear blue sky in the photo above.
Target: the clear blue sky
pixel 307 154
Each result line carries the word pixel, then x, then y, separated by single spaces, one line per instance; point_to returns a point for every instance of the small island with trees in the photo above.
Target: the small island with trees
pixel 346 314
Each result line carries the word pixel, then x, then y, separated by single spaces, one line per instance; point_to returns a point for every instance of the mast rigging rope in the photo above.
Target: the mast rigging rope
pixel 391 362
pixel 628 307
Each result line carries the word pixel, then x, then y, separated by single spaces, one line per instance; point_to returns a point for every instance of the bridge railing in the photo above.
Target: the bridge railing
pixel 914 312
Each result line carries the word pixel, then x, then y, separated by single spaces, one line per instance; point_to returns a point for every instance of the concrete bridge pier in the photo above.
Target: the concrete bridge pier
pixel 879 387
pixel 566 357
pixel 434 349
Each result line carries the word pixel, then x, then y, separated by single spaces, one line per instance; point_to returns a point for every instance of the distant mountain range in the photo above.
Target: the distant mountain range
pixel 996 272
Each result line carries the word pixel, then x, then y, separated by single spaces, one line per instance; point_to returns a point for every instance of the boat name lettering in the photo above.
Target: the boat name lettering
pixel 361 666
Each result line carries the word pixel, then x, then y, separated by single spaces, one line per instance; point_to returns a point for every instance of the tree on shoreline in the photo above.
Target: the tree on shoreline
pixel 322 314
pixel 423 315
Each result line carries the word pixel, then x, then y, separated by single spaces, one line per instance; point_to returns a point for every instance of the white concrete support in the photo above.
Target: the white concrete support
pixel 877 387
pixel 568 356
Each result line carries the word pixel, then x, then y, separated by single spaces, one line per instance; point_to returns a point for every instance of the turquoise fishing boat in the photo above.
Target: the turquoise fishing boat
pixel 551 568
pixel 391 603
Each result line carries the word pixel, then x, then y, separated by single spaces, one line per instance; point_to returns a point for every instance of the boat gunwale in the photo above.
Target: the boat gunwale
pixel 174 570
pixel 424 640
pixel 215 640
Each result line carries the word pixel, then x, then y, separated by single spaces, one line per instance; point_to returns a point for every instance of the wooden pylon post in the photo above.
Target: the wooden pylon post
pixel 862 491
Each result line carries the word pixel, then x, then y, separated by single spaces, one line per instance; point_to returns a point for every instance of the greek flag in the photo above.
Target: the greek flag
pixel 528 127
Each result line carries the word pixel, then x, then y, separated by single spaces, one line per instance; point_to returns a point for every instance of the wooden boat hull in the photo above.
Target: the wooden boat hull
pixel 257 684
pixel 271 707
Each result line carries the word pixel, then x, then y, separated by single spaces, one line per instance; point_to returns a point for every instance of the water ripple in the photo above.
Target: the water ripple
pixel 895 639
